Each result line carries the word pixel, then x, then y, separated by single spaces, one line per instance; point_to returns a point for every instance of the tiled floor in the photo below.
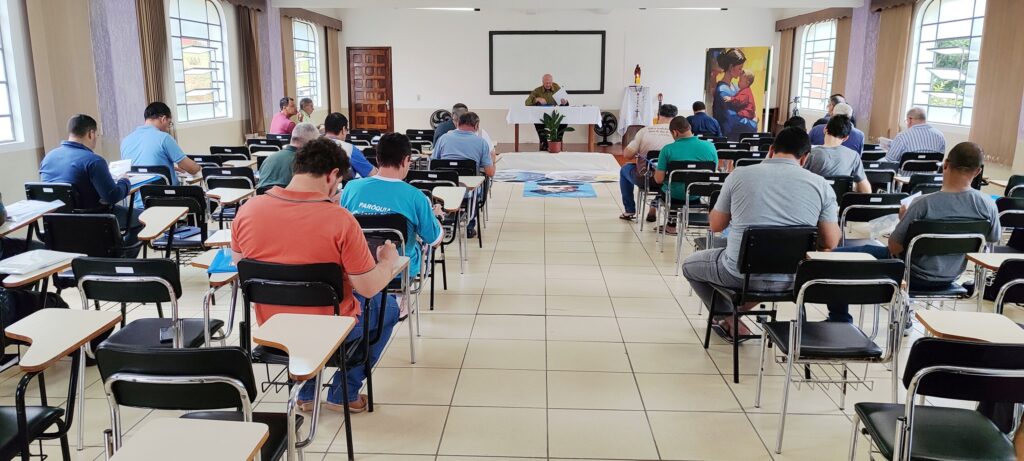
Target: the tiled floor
pixel 568 337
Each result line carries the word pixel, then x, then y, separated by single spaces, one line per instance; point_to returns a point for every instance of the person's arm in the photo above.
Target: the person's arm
pixel 721 215
pixel 489 171
pixel 896 149
pixel 427 225
pixel 863 186
pixel 486 160
pixel 828 220
pixel 110 192
pixel 718 128
pixel 360 164
pixel 718 220
pixel 659 171
pixel 372 282
pixel 828 235
pixel 189 166
pixel 178 157
pixel 629 153
pixel 907 216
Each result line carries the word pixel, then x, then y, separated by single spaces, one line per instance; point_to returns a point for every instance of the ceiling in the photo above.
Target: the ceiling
pixel 567 4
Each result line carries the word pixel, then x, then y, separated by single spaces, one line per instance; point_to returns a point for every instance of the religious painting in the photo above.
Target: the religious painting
pixel 736 88
pixel 558 189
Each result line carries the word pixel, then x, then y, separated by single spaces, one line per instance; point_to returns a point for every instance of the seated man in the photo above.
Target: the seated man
pixel 685 148
pixel 75 163
pixel 855 141
pixel 387 193
pixel 957 200
pixel 833 101
pixel 701 122
pixel 918 137
pixel 276 170
pixel 796 121
pixel 336 128
pixel 303 224
pixel 282 122
pixel 449 125
pixel 152 145
pixel 464 144
pixel 632 174
pixel 776 192
pixel 835 159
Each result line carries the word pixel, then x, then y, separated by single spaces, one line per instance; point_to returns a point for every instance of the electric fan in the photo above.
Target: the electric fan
pixel 608 126
pixel 438 117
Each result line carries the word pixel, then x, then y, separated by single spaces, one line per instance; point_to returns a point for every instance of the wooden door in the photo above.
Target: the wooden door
pixel 369 88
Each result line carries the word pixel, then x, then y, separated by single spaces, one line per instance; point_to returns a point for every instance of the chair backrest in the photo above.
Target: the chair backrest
pixel 285 138
pixel 252 142
pixel 161 170
pixel 674 166
pixel 700 182
pixel 748 161
pixel 1015 182
pixel 890 270
pixel 776 249
pixel 192 197
pixel 227 157
pixel 758 142
pixel 419 132
pixel 225 364
pixel 90 234
pixel 218 174
pixel 879 165
pixel 216 150
pixel 934 352
pixel 926 183
pixel 428 186
pixel 868 146
pixel 872 155
pixel 380 227
pixel 1009 271
pixel 715 139
pixel 50 191
pixel 263 148
pixel 732 146
pixel 415 176
pixel 971 238
pixel 841 185
pixel 464 167
pixel 652 155
pixel 921 161
pixel 119 279
pixel 421 141
pixel 301 285
pixel 859 207
pixel 880 179
pixel 207 159
pixel 1011 212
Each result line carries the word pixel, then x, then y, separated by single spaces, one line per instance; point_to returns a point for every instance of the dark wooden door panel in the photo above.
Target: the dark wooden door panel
pixel 369 88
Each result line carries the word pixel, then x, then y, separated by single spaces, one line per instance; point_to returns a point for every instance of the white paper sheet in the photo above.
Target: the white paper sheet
pixel 560 95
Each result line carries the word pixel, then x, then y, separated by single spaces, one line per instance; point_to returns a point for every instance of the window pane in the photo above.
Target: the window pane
pixel 946 57
pixel 951 10
pixel 198 59
pixel 6 129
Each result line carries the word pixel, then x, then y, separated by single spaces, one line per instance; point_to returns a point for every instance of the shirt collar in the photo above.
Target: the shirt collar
pixel 75 145
pixel 297 196
pixel 782 161
pixel 382 178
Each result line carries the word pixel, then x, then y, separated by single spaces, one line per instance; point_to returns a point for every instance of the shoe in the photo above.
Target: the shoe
pixel 471 233
pixel 305 405
pixel 359 407
pixel 651 217
pixel 908 326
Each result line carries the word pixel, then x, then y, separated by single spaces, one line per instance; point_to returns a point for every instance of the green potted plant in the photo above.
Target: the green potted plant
pixel 554 130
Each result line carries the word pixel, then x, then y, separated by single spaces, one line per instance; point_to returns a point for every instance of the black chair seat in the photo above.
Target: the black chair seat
pixel 754 296
pixel 940 433
pixel 38 420
pixel 1004 249
pixel 146 333
pixel 826 340
pixel 277 428
pixel 701 243
pixel 193 241
pixel 699 219
pixel 227 212
pixel 954 290
pixel 64 280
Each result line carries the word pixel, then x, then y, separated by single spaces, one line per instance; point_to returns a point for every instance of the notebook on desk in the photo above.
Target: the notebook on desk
pixel 31 261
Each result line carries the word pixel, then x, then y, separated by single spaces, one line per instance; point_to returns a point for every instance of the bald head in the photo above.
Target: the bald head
pixel 843 109
pixel 916 116
pixel 547 80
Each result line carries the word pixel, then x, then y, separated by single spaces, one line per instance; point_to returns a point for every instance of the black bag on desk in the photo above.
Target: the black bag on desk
pixel 18 304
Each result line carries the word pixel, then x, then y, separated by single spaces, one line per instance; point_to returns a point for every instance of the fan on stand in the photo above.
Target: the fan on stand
pixel 608 126
pixel 438 117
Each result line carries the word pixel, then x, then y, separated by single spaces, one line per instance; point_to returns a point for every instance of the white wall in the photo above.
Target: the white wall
pixel 669 46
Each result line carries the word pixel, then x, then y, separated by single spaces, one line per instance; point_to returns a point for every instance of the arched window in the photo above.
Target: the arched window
pixel 7 105
pixel 307 61
pixel 818 55
pixel 947 43
pixel 199 58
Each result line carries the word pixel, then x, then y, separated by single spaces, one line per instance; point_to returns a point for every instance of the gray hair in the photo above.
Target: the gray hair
pixel 469 118
pixel 304 101
pixel 303 133
pixel 917 113
pixel 843 109
pixel 458 113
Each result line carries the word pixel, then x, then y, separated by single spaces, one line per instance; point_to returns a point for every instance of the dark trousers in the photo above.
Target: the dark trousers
pixel 129 224
pixel 542 135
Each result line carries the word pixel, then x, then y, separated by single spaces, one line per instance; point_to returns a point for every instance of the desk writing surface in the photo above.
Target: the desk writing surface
pixel 229 196
pixel 158 219
pixel 39 208
pixel 839 256
pixel 992 261
pixel 241 163
pixel 971 326
pixel 471 182
pixel 309 340
pixel 902 179
pixel 176 439
pixel 998 182
pixel 451 197
pixel 204 260
pixel 400 265
pixel 221 238
pixel 14 281
pixel 55 333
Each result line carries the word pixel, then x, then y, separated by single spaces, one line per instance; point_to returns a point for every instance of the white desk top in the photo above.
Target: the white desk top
pixel 992 261
pixel 471 182
pixel 139 180
pixel 158 219
pixel 14 281
pixel 309 340
pixel 401 265
pixel 175 439
pixel 998 182
pixel 229 196
pixel 190 179
pixel 10 226
pixel 241 163
pixel 839 256
pixel 221 238
pixel 971 326
pixel 55 333
pixel 902 179
pixel 451 197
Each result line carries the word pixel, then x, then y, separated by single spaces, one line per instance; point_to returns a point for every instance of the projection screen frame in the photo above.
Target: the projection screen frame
pixel 490 44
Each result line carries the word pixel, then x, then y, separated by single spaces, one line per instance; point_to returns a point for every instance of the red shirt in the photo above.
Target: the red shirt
pixel 281 124
pixel 743 104
pixel 290 227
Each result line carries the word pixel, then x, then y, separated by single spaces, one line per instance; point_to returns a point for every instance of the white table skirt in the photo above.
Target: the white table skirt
pixel 574 115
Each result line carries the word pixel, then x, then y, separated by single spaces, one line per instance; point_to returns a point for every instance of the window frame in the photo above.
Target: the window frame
pixel 807 70
pixel 219 68
pixel 9 79
pixel 968 84
pixel 314 71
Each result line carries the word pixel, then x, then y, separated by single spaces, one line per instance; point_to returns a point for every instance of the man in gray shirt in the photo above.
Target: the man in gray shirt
pixel 835 159
pixel 777 192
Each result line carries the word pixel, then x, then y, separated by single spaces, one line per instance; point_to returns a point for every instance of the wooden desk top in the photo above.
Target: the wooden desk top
pixel 52 334
pixel 174 439
pixel 401 265
pixel 241 163
pixel 451 197
pixel 902 179
pixel 839 256
pixel 998 182
pixel 158 219
pixel 472 182
pixel 14 281
pixel 229 196
pixel 221 238
pixel 992 261
pixel 971 326
pixel 7 227
pixel 139 180
pixel 190 179
pixel 310 340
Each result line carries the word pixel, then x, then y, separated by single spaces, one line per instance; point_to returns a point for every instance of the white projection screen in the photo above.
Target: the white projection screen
pixel 520 58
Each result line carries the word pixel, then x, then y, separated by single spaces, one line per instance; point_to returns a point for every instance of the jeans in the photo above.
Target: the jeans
pixel 627 181
pixel 356 374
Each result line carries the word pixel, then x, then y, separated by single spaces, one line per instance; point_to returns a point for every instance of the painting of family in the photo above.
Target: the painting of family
pixel 736 88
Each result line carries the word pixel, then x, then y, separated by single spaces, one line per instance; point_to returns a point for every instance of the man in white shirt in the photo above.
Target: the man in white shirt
pixel 918 137
pixel 335 129
pixel 632 174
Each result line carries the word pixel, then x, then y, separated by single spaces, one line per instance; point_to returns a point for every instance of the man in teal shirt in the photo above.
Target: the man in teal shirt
pixel 277 168
pixel 685 148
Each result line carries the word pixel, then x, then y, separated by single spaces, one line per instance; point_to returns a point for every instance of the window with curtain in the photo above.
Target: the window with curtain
pixel 947 43
pixel 199 56
pixel 818 55
pixel 7 105
pixel 307 61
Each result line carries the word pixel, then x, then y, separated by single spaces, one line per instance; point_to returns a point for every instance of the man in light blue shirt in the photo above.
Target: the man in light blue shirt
pixel 151 145
pixel 463 144
pixel 918 137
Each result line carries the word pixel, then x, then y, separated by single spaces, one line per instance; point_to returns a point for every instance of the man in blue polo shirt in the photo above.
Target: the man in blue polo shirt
pixel 702 123
pixel 387 192
pixel 75 163
pixel 464 144
pixel 856 139
pixel 151 145
pixel 335 128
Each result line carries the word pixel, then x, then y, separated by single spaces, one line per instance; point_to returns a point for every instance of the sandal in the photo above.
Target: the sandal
pixel 627 217
pixel 720 329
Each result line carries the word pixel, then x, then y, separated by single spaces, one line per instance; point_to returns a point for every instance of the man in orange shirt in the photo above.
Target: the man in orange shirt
pixel 303 224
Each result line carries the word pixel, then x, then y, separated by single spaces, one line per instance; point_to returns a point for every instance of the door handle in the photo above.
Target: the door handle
pixel 387 104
